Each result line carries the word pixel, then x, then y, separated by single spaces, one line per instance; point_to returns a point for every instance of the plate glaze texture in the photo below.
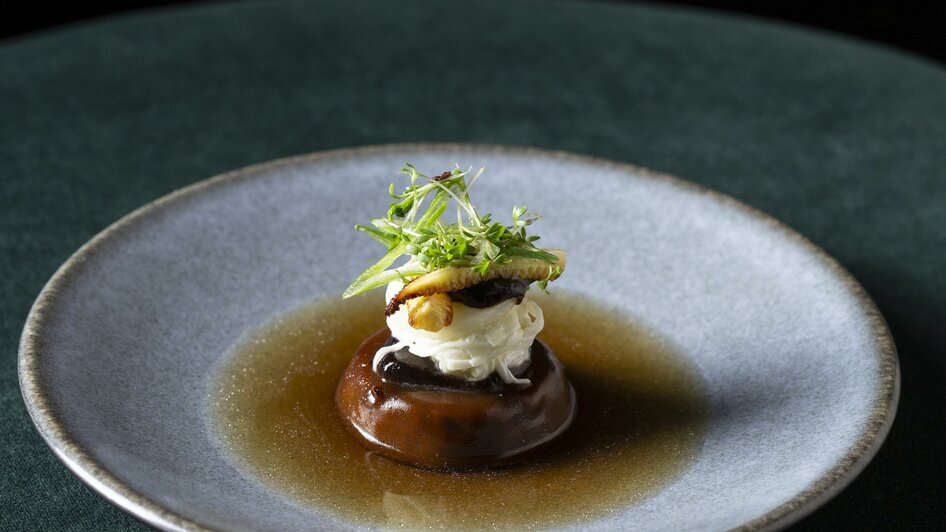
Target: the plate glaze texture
pixel 119 348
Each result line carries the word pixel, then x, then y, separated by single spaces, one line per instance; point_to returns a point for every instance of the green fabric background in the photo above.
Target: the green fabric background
pixel 844 141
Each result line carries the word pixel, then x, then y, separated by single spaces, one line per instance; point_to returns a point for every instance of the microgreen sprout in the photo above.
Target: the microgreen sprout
pixel 413 227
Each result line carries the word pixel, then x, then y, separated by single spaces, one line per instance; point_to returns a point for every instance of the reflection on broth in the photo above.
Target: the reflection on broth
pixel 640 423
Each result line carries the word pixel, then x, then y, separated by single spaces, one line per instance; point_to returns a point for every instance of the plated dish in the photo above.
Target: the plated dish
pixel 120 354
pixel 457 378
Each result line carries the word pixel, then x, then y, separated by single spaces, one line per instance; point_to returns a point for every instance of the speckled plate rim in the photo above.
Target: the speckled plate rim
pixel 55 431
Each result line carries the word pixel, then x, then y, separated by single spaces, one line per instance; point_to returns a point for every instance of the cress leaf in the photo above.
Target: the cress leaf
pixel 413 226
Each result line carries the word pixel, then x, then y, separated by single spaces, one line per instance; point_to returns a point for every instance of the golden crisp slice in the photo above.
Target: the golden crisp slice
pixel 430 313
pixel 453 278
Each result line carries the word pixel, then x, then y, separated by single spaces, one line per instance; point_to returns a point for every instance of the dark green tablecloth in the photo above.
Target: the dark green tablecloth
pixel 844 141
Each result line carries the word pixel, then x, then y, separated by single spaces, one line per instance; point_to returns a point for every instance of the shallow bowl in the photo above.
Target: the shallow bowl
pixel 116 356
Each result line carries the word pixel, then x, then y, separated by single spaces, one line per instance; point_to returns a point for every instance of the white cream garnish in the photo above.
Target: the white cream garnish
pixel 477 343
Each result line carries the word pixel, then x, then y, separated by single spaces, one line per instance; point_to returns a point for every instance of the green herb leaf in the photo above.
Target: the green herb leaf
pixel 414 229
pixel 368 277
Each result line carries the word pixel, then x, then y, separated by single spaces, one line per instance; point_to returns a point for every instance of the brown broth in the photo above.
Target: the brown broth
pixel 640 423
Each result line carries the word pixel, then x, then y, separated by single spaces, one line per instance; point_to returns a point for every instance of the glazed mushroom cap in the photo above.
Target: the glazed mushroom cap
pixel 454 428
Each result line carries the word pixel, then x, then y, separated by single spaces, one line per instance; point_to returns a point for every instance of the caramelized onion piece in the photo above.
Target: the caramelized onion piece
pixel 430 313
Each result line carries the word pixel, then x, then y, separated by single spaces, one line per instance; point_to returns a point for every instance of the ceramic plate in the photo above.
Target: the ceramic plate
pixel 799 368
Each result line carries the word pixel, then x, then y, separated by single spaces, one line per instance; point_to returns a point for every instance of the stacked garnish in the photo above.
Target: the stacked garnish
pixel 458 377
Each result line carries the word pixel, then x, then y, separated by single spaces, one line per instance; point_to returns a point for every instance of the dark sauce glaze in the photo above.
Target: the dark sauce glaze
pixel 492 292
pixel 640 424
pixel 405 369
